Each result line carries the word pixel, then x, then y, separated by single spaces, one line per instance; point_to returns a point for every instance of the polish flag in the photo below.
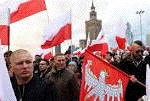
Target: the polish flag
pixel 100 44
pixel 48 56
pixel 103 47
pixel 121 42
pixel 4 27
pixel 57 31
pixel 6 90
pixel 99 40
pixel 23 8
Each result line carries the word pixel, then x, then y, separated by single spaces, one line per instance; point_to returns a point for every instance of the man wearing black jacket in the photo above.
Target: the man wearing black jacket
pixel 135 65
pixel 28 87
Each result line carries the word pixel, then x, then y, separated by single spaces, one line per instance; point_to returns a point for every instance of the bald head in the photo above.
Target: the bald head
pixel 19 52
pixel 22 65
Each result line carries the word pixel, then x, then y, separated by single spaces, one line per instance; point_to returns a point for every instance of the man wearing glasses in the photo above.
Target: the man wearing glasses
pixel 135 65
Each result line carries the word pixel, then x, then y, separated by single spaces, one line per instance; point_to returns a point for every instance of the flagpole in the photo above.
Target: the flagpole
pixel 8 29
pixel 51 49
pixel 71 33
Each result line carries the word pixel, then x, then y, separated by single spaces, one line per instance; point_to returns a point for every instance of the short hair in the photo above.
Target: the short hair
pixel 67 52
pixel 109 53
pixel 59 54
pixel 17 52
pixel 8 53
pixel 47 62
pixel 38 55
pixel 138 42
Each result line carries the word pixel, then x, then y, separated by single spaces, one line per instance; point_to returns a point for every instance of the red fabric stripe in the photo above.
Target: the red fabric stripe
pixel 63 34
pixel 99 47
pixel 4 30
pixel 27 9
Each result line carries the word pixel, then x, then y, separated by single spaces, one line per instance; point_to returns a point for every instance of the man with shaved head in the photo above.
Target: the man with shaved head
pixel 28 87
pixel 135 66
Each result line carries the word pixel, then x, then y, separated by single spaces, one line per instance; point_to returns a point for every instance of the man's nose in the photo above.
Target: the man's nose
pixel 25 65
pixel 61 62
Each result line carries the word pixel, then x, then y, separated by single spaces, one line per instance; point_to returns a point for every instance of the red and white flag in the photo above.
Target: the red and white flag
pixel 24 8
pixel 101 81
pixel 100 44
pixel 48 56
pixel 6 90
pixel 57 31
pixel 103 47
pixel 4 27
pixel 121 42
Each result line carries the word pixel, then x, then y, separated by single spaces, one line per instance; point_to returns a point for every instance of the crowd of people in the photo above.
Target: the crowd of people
pixel 59 78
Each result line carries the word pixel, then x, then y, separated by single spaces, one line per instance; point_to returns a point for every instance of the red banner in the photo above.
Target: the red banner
pixel 121 42
pixel 27 9
pixel 101 81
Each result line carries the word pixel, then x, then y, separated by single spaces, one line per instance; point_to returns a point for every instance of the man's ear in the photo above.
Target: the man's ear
pixel 11 67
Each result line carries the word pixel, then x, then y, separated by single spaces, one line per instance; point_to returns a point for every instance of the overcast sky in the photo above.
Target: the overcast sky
pixel 27 33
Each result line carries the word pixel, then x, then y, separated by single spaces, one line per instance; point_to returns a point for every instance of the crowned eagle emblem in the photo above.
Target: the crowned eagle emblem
pixel 98 87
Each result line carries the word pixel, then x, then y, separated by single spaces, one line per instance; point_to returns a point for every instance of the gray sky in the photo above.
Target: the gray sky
pixel 27 33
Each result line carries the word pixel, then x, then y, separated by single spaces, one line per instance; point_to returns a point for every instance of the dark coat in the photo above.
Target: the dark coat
pixel 37 90
pixel 66 84
pixel 134 91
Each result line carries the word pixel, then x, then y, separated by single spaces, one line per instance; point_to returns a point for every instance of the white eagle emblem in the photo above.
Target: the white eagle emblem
pixel 98 87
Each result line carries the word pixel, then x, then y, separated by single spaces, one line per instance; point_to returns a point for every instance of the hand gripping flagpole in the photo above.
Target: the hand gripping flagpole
pixel 122 72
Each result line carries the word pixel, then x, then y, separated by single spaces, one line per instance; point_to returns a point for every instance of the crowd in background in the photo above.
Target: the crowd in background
pixel 70 67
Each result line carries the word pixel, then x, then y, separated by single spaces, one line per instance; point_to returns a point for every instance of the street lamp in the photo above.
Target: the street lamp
pixel 140 12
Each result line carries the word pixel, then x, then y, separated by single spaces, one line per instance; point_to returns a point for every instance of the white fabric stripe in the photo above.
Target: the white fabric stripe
pixel 6 90
pixel 55 25
pixel 4 17
pixel 13 6
pixel 148 81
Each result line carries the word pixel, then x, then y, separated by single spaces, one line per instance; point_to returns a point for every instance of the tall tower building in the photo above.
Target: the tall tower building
pixel 129 34
pixel 93 26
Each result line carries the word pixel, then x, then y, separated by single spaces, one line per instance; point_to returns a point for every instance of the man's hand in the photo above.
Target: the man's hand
pixel 133 79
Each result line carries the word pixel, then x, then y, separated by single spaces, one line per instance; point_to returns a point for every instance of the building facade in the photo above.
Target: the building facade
pixel 93 26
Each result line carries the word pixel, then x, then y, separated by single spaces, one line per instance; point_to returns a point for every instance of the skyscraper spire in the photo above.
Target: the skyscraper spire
pixel 92 7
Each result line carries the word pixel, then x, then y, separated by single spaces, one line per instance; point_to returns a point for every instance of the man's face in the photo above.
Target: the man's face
pixel 137 51
pixel 43 66
pixel 108 57
pixel 67 56
pixel 117 58
pixel 37 58
pixel 60 62
pixel 72 67
pixel 22 65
